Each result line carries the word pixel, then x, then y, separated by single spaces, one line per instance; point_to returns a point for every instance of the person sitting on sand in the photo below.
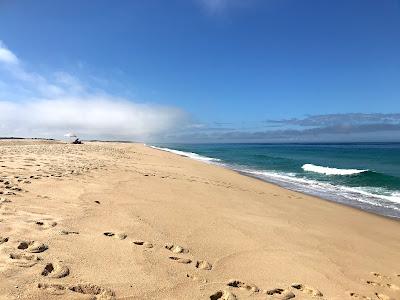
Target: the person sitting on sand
pixel 77 141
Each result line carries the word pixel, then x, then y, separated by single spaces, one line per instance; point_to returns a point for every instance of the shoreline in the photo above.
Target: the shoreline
pixel 131 222
pixel 242 173
pixel 215 161
pixel 370 212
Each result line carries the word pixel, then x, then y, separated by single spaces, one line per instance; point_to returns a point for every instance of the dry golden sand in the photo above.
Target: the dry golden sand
pixel 124 221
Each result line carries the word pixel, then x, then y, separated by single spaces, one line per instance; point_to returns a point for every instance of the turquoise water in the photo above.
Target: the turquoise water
pixel 365 176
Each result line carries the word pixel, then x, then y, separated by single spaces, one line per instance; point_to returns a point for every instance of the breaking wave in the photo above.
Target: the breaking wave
pixel 331 171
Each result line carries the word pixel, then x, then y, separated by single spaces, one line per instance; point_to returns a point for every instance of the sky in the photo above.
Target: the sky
pixel 201 70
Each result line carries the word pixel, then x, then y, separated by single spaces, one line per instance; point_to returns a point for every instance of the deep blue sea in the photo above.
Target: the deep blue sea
pixel 366 176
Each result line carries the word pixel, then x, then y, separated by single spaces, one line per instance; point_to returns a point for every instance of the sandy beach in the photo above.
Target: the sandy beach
pixel 125 221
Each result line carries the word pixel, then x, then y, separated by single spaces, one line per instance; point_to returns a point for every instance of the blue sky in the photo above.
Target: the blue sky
pixel 205 67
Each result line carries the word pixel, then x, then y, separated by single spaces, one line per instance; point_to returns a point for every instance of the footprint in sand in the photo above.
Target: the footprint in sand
pixel 3 240
pixel 181 260
pixel 24 260
pixel 43 224
pixel 223 295
pixel 95 290
pixel 67 232
pixel 392 286
pixel 53 289
pixel 307 289
pixel 176 248
pixel 380 276
pixel 32 246
pixel 283 294
pixel 241 285
pixel 55 270
pixel 388 285
pixel 4 200
pixel 120 236
pixel 373 283
pixel 143 243
pixel 203 265
pixel 8 193
pixel 383 297
pixel 358 296
pixel 196 278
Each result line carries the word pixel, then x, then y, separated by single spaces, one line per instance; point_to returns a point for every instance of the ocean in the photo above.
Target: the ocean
pixel 365 176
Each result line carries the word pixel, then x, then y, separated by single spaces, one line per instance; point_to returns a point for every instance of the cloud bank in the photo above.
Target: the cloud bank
pixel 97 117
pixel 349 127
pixel 340 120
pixel 50 107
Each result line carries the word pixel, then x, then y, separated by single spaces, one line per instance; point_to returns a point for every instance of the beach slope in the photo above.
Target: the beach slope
pixel 125 221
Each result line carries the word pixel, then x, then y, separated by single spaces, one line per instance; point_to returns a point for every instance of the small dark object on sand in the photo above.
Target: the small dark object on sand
pixel 77 141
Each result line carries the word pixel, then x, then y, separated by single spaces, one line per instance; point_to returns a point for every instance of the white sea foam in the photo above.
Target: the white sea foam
pixel 359 194
pixel 330 171
pixel 365 196
pixel 188 154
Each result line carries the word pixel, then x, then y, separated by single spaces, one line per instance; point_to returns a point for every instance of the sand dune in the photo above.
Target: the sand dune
pixel 124 221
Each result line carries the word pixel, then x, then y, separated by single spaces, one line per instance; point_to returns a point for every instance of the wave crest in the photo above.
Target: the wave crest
pixel 331 171
pixel 188 154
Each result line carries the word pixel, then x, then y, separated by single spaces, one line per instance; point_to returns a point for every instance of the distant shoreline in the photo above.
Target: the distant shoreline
pixel 210 143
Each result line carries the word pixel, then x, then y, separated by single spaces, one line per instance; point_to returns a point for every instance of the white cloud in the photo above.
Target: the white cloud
pixel 63 104
pixel 6 56
pixel 95 117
